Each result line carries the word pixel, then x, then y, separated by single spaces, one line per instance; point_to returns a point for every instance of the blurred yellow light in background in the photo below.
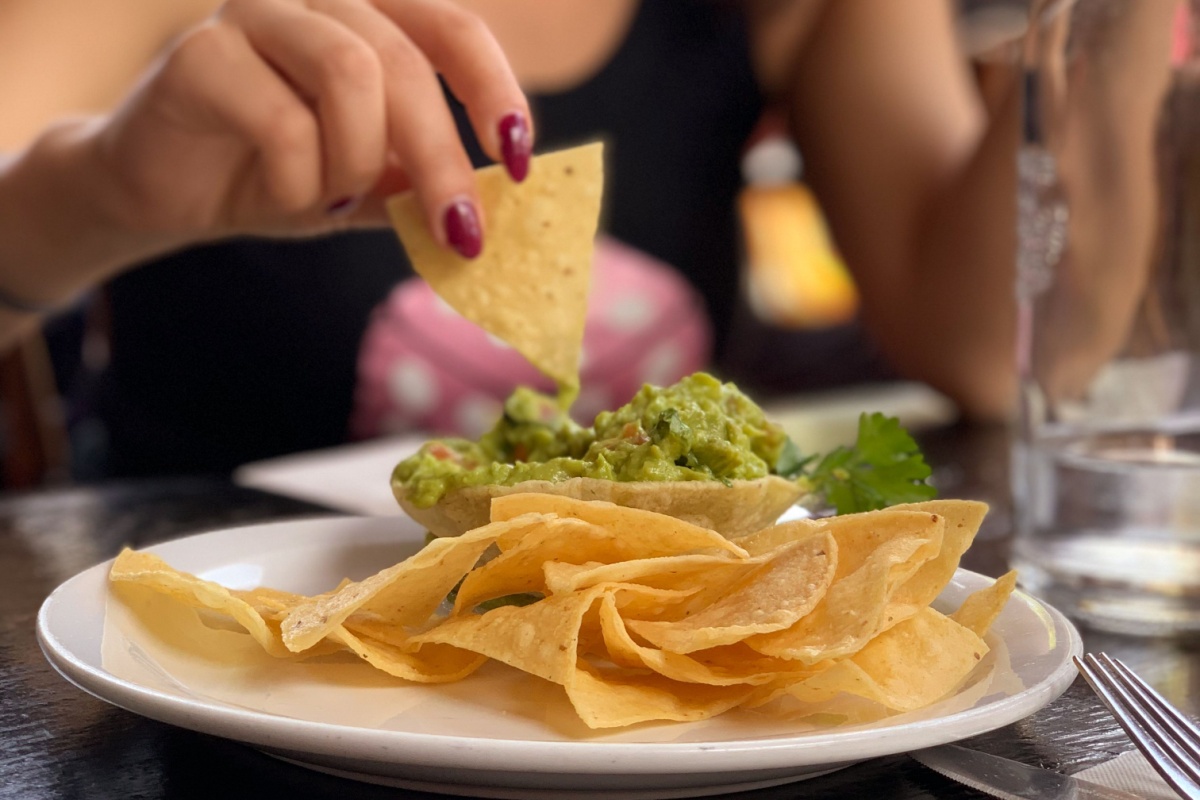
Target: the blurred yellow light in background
pixel 794 276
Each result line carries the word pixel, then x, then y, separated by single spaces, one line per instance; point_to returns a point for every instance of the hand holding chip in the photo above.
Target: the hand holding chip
pixel 291 117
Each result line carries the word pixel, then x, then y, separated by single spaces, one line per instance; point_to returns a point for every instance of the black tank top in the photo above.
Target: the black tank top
pixel 246 349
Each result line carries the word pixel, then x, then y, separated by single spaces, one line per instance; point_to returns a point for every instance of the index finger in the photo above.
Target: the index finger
pixel 462 49
pixel 421 129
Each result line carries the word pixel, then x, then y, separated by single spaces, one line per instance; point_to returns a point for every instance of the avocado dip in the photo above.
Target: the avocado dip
pixel 698 429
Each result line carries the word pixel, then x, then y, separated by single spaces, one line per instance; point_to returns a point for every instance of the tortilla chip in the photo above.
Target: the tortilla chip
pixel 963 518
pixel 150 571
pixel 767 539
pixel 624 534
pixel 648 533
pixel 636 600
pixel 616 698
pixel 529 286
pixel 668 572
pixel 775 596
pixel 270 603
pixel 855 609
pixel 407 593
pixel 717 667
pixel 980 610
pixel 518 570
pixel 860 535
pixel 886 670
pixel 541 639
pixel 428 664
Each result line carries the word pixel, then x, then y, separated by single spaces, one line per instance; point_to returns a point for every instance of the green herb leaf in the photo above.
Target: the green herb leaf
pixel 883 468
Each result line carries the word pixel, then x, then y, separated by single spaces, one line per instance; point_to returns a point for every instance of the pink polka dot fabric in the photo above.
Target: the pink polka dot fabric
pixel 423 367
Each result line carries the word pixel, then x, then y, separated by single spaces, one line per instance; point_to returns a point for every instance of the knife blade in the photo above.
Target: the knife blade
pixel 1011 780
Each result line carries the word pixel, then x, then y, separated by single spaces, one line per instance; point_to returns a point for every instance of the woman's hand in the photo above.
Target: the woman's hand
pixel 300 116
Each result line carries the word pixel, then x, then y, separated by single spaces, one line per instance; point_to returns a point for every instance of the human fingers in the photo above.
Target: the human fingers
pixel 421 130
pixel 217 139
pixel 339 75
pixel 464 52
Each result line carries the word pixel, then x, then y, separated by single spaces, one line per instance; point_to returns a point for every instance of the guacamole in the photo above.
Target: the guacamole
pixel 699 429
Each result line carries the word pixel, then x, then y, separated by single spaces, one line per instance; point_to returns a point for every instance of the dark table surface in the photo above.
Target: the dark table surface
pixel 57 742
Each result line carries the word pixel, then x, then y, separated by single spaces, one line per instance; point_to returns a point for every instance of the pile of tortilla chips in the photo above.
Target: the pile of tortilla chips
pixel 640 616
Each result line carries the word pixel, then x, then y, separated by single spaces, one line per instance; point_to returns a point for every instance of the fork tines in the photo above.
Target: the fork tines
pixel 1169 740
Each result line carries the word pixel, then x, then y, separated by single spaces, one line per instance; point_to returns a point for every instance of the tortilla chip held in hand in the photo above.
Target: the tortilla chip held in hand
pixel 529 286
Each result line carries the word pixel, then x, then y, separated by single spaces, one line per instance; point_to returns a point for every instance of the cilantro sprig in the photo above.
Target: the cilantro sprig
pixel 883 467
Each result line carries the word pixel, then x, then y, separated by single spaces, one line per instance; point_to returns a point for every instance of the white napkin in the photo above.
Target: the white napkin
pixel 1130 772
pixel 355 478
pixel 821 421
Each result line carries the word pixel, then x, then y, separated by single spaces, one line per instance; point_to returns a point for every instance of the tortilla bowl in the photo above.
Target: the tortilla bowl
pixel 736 509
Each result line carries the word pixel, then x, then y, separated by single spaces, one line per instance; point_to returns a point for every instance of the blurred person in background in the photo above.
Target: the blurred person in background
pixel 220 168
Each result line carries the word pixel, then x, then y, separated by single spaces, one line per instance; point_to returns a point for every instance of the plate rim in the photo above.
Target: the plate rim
pixel 258 728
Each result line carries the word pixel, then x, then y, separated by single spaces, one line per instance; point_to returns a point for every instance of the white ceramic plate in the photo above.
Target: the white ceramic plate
pixel 498 733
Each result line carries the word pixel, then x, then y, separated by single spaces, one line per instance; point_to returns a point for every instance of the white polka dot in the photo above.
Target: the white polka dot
pixel 629 313
pixel 445 307
pixel 476 415
pixel 772 161
pixel 413 387
pixel 499 343
pixel 662 365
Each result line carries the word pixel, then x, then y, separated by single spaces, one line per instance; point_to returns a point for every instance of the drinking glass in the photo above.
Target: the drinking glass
pixel 1107 446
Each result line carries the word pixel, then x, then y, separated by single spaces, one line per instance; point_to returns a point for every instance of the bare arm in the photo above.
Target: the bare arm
pixel 1101 113
pixel 60 57
pixel 57 236
pixel 918 186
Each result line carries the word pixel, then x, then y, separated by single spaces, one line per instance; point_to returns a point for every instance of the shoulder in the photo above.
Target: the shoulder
pixel 779 31
pixel 786 35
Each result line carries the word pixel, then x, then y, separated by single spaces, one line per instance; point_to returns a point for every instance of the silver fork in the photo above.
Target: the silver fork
pixel 1168 739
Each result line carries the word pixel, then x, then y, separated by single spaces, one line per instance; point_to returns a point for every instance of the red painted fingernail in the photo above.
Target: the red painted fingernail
pixel 462 229
pixel 342 207
pixel 516 145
